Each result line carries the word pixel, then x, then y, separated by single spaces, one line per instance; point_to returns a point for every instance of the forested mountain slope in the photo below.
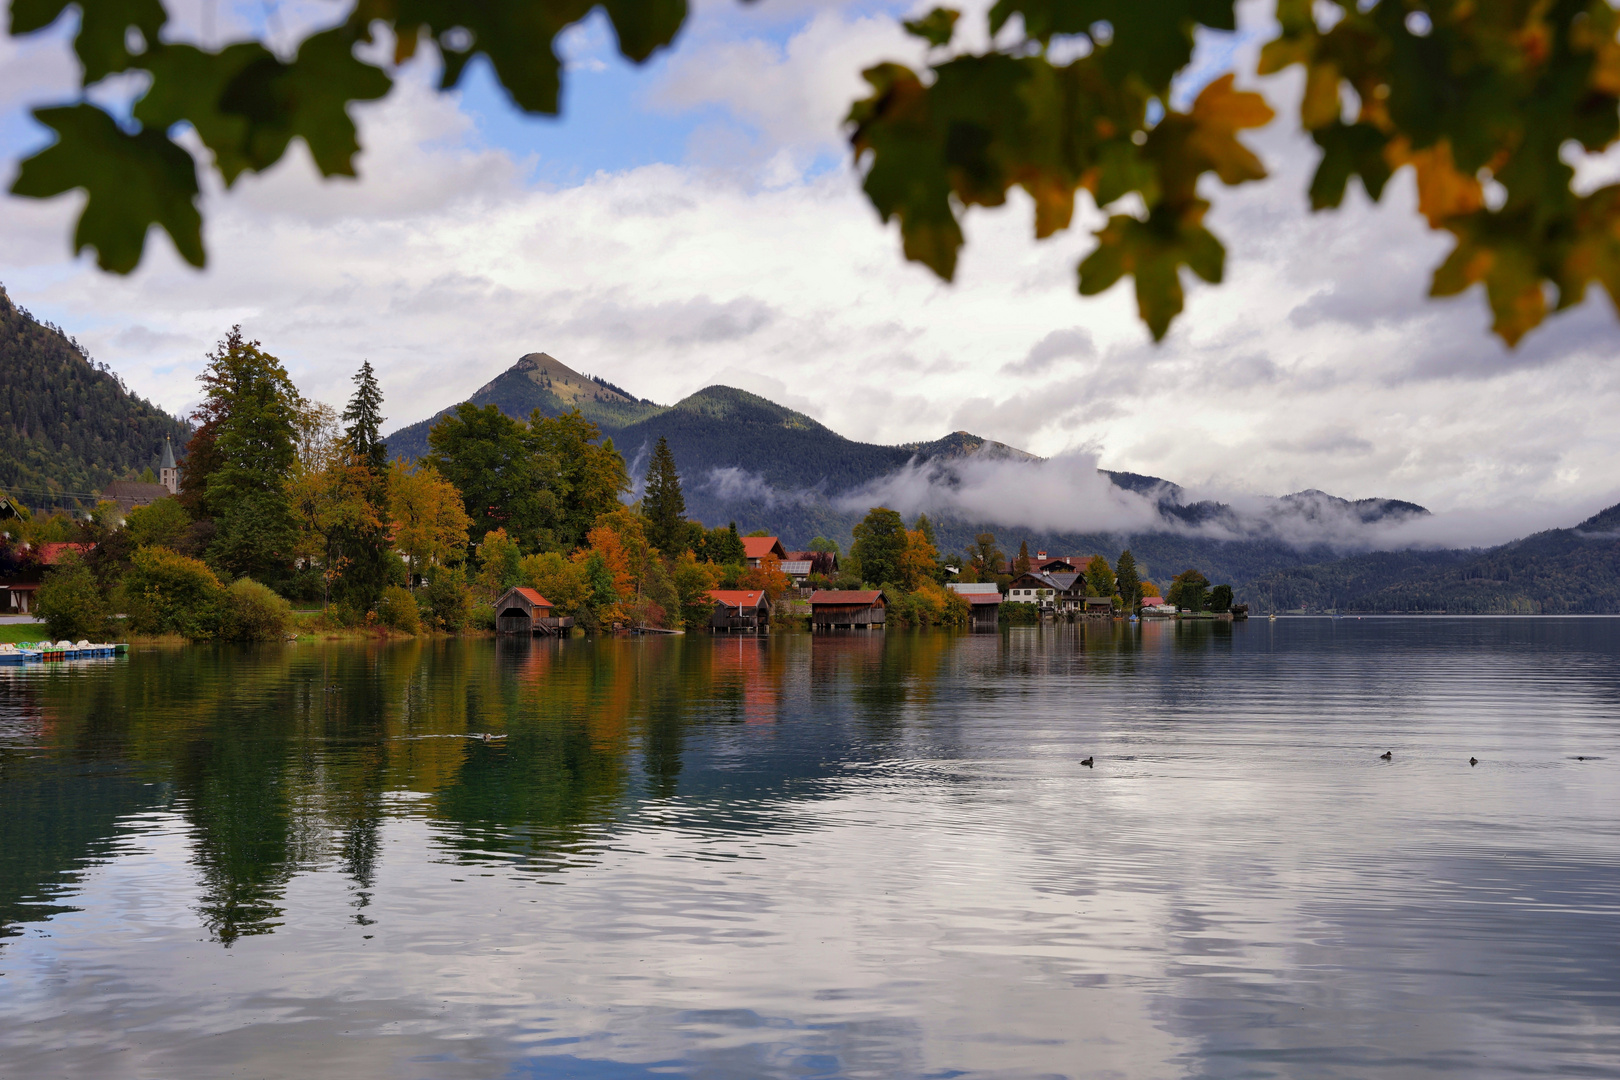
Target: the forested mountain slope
pixel 1560 571
pixel 68 427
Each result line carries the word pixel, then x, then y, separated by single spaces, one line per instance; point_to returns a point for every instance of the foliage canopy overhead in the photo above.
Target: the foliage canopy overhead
pixel 1484 99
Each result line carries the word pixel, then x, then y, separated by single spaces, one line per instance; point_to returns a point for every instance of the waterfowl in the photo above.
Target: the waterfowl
pixel 1086 762
pixel 1473 761
pixel 1387 755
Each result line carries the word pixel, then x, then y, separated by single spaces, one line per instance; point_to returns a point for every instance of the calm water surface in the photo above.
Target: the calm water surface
pixel 857 856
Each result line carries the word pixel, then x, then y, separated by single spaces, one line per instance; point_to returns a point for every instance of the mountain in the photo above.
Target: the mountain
pixel 1556 572
pixel 746 459
pixel 68 427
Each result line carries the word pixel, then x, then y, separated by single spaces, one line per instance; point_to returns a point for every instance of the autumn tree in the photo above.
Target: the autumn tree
pixel 919 561
pixel 880 543
pixel 1021 564
pixel 985 558
pixel 662 503
pixel 429 520
pixel 360 532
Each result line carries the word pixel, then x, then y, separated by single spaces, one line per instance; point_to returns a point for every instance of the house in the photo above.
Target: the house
pixel 984 601
pixel 1155 606
pixel 168 471
pixel 799 565
pixel 739 611
pixel 834 608
pixel 17 598
pixel 755 548
pixel 524 611
pixel 796 569
pixel 1099 605
pixel 129 494
pixel 1062 592
pixel 1039 563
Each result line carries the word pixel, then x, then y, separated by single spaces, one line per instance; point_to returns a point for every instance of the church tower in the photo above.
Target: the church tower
pixel 168 471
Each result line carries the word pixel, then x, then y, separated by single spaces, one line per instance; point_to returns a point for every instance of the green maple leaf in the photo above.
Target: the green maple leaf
pixel 188 84
pixel 1147 40
pixel 936 27
pixel 1153 252
pixel 102 42
pixel 133 182
pixel 1348 150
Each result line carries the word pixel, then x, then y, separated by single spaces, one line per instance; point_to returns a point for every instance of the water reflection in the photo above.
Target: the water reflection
pixel 855 854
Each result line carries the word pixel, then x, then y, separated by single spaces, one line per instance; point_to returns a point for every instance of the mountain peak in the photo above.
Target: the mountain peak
pixel 562 381
pixel 1604 521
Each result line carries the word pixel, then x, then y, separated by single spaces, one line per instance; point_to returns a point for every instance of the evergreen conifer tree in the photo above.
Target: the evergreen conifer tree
pixel 364 419
pixel 1021 564
pixel 1129 580
pixel 926 527
pixel 662 504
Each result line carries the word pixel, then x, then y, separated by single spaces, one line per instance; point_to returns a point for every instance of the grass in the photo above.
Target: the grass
pixel 15 632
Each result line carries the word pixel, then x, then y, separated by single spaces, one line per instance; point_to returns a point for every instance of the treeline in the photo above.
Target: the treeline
pixel 67 426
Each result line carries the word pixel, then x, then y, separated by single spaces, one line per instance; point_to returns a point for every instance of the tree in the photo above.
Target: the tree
pixel 926 527
pixel 918 562
pixel 70 602
pixel 430 524
pixel 1099 577
pixel 1150 589
pixel 1187 590
pixel 585 478
pixel 985 558
pixel 364 419
pixel 1129 585
pixel 880 542
pixel 822 544
pixel 158 523
pixel 503 484
pixel 723 547
pixel 500 563
pixel 662 504
pixel 1463 92
pixel 1021 564
pixel 317 437
pixel 1220 598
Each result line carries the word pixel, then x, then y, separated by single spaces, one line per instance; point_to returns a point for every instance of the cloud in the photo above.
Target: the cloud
pixel 1058 345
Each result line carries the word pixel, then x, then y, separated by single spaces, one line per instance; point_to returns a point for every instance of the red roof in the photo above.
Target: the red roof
pixel 50 553
pixel 533 597
pixel 977 598
pixel 1152 601
pixel 737 598
pixel 846 596
pixel 757 547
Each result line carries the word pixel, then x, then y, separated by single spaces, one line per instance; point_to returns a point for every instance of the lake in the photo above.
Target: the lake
pixel 833 856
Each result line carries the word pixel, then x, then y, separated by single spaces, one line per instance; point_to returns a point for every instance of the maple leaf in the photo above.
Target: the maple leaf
pixel 1153 252
pixel 102 42
pixel 133 182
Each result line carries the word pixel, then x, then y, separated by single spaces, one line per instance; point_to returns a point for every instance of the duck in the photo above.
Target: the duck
pixel 1087 762
pixel 1473 761
pixel 1387 755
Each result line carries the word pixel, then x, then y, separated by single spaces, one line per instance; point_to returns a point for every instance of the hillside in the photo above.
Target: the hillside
pixel 68 427
pixel 1560 571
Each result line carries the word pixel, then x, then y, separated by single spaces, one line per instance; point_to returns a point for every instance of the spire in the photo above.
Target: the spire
pixel 168 455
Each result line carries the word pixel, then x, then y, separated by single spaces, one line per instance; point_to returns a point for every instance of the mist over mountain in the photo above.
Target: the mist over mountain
pixel 746 459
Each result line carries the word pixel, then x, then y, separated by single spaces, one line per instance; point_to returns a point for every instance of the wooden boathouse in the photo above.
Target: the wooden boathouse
pixel 739 611
pixel 833 609
pixel 524 611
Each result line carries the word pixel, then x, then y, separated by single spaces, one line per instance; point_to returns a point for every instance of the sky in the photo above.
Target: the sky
pixel 698 220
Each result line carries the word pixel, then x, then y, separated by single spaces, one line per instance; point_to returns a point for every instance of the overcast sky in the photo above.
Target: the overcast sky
pixel 697 221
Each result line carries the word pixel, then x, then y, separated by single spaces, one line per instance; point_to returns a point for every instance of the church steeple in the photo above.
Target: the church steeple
pixel 168 471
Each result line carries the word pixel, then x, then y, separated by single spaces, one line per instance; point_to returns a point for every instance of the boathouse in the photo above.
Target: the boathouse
pixel 524 611
pixel 757 548
pixel 839 608
pixel 984 602
pixel 739 611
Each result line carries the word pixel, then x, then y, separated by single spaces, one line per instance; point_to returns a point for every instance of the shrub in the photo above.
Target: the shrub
pixel 446 599
pixel 168 593
pixel 250 611
pixel 398 609
pixel 71 603
pixel 1020 614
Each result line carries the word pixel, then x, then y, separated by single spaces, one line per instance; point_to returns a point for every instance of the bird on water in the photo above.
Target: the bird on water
pixel 1387 755
pixel 1087 762
pixel 1473 761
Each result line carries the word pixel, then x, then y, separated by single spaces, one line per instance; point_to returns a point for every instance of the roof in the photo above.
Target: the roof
pixel 979 599
pixel 969 588
pixel 167 461
pixel 796 566
pixel 134 491
pixel 737 598
pixel 846 596
pixel 757 547
pixel 530 595
pixel 50 553
pixel 1152 601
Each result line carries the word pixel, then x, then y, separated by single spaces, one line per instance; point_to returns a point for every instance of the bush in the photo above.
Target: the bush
pixel 250 611
pixel 71 603
pixel 1020 614
pixel 168 593
pixel 397 609
pixel 446 600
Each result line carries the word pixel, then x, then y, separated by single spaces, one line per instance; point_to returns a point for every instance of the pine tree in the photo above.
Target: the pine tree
pixel 364 419
pixel 1130 581
pixel 662 504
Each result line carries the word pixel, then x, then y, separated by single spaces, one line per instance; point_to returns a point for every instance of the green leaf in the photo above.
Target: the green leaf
pixel 1153 252
pixel 1147 41
pixel 644 26
pixel 133 182
pixel 1348 150
pixel 103 29
pixel 936 27
pixel 187 86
